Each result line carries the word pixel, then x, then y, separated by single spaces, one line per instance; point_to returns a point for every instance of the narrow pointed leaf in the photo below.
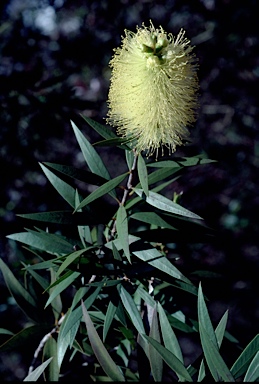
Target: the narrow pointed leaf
pixel 51 372
pixel 101 353
pixel 151 218
pixel 169 338
pixel 216 364
pixel 103 130
pixel 34 375
pixel 111 310
pixel 64 189
pixel 22 297
pixel 62 286
pixel 71 258
pixel 241 364
pixel 76 173
pixel 163 203
pixel 132 310
pixel 91 157
pixel 159 261
pixel 142 174
pixel 99 192
pixel 156 361
pixel 122 230
pixel 171 360
pixel 252 373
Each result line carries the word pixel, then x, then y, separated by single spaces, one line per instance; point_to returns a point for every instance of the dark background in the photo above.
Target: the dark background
pixel 54 65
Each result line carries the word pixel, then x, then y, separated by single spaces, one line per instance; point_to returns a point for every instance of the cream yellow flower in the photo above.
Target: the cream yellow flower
pixel 153 91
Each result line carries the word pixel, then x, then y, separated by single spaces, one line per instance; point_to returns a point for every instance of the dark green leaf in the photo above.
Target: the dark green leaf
pixel 156 361
pixel 51 243
pixel 62 284
pixel 64 189
pixel 116 141
pixel 103 130
pixel 93 160
pixel 122 230
pixel 71 258
pixel 115 252
pixel 241 364
pixel 99 192
pixel 252 373
pixel 105 360
pixel 142 174
pixel 163 203
pixel 171 360
pixel 76 173
pixel 132 310
pixel 66 217
pixel 157 260
pixel 51 372
pixel 22 297
pixel 19 340
pixel 151 218
pixel 111 310
pixel 216 364
pixel 34 375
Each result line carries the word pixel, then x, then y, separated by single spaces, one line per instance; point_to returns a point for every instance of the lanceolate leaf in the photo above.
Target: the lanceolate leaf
pixel 122 230
pixel 151 218
pixel 241 364
pixel 105 360
pixel 34 375
pixel 252 373
pixel 174 363
pixel 76 173
pixel 66 217
pixel 51 372
pixel 157 260
pixel 216 364
pixel 51 243
pixel 142 173
pixel 22 297
pixel 64 189
pixel 105 188
pixel 132 310
pixel 103 130
pixel 156 361
pixel 163 203
pixel 92 158
pixel 60 287
pixel 111 310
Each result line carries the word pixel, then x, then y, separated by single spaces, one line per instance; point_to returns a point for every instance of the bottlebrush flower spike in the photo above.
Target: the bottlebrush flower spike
pixel 153 91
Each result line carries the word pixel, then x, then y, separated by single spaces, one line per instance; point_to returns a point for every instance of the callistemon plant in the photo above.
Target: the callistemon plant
pixel 111 298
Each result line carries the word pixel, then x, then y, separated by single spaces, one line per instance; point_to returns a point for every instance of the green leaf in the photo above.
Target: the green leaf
pixel 22 297
pixel 159 175
pixel 56 302
pixel 111 311
pixel 65 217
pixel 163 203
pixel 132 310
pixel 169 338
pixel 51 372
pixel 216 364
pixel 76 173
pixel 99 192
pixel 142 174
pixel 21 338
pixel 241 364
pixel 156 361
pixel 183 162
pixel 62 285
pixel 122 230
pixel 153 257
pixel 171 360
pixel 34 375
pixel 151 218
pixel 115 252
pixel 93 160
pixel 4 331
pixel 105 360
pixel 116 141
pixel 64 189
pixel 103 130
pixel 252 373
pixel 71 258
pixel 53 244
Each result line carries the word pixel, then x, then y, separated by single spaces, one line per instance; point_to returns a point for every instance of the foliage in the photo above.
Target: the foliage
pixel 104 290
